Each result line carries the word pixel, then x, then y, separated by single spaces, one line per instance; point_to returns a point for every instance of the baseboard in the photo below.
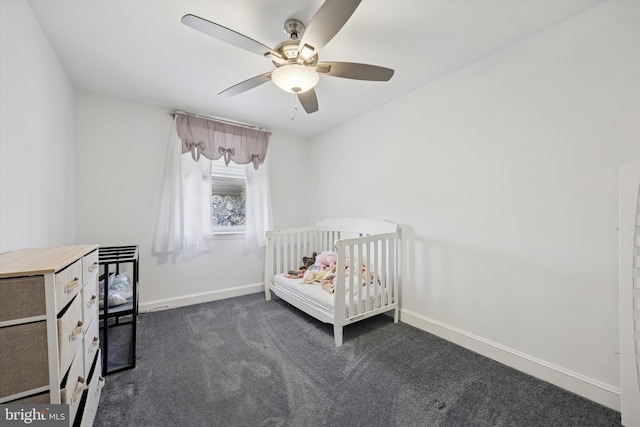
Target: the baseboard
pixel 574 382
pixel 184 300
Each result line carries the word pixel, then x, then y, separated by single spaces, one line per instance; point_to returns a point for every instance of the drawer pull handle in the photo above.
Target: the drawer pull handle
pixel 93 267
pixel 92 300
pixel 95 343
pixel 72 285
pixel 76 331
pixel 100 384
pixel 79 389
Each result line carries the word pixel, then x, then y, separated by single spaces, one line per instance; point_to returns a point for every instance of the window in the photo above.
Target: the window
pixel 228 198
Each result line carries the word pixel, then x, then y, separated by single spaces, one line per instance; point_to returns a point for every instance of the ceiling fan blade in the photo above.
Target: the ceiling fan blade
pixel 232 37
pixel 353 70
pixel 247 84
pixel 309 101
pixel 325 24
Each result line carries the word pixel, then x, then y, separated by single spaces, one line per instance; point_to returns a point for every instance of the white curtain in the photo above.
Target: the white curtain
pixel 169 230
pixel 183 222
pixel 258 206
pixel 196 189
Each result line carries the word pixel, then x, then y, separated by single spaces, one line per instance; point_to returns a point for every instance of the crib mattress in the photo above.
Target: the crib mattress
pixel 314 295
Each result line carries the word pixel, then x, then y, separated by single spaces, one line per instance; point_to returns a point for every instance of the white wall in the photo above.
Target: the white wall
pixel 505 174
pixel 120 162
pixel 36 136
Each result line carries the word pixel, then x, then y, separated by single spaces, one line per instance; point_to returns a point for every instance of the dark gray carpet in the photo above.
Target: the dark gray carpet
pixel 248 362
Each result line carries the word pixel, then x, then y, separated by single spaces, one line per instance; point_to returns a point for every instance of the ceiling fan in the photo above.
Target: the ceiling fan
pixel 296 59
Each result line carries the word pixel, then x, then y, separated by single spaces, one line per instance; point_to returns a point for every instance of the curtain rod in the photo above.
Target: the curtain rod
pixel 202 116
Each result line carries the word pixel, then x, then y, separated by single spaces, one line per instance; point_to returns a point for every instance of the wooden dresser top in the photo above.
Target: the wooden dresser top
pixel 25 262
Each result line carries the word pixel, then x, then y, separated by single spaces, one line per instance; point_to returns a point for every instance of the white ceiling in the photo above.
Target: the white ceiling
pixel 139 50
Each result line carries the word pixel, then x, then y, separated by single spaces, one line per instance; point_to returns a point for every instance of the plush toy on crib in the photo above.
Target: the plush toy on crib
pixel 326 259
pixel 327 282
pixel 311 276
pixel 308 261
pixel 319 276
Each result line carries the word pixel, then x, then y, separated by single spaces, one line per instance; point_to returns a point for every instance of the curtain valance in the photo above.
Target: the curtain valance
pixel 213 139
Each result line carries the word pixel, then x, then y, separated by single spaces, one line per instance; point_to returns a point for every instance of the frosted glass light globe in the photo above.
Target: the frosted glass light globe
pixel 295 78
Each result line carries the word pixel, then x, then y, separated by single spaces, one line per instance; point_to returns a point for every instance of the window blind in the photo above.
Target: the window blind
pixel 227 180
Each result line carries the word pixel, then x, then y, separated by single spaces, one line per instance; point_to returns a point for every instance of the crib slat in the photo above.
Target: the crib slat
pixel 384 286
pixel 394 256
pixel 352 268
pixel 367 270
pixel 285 256
pixel 385 269
pixel 391 285
pixel 292 250
pixel 338 295
pixel 377 291
pixel 289 257
pixel 277 250
pixel 361 294
pixel 381 273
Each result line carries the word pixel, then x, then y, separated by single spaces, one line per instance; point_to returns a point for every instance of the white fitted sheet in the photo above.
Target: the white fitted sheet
pixel 313 294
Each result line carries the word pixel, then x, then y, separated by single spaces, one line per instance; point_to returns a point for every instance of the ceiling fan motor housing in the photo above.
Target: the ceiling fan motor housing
pixel 290 49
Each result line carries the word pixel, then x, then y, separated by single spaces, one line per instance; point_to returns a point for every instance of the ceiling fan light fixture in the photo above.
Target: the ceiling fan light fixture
pixel 295 78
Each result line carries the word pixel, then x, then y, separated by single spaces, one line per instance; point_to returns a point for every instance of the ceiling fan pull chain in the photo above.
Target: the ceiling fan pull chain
pixel 295 106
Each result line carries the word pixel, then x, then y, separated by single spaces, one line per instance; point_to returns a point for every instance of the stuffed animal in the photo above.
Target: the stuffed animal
pixel 327 281
pixel 363 276
pixel 326 259
pixel 328 286
pixel 308 261
pixel 292 275
pixel 311 276
pixel 320 276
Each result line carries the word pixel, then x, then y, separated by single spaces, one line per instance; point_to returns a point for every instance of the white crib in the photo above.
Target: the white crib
pixel 373 246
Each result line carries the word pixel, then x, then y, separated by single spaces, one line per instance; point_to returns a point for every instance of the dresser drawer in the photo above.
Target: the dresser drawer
pixel 91 396
pixel 89 303
pixel 91 344
pixel 23 358
pixel 22 297
pixel 73 384
pixel 68 283
pixel 90 266
pixel 70 333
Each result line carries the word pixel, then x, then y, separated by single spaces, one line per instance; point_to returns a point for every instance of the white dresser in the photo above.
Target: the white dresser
pixel 49 329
